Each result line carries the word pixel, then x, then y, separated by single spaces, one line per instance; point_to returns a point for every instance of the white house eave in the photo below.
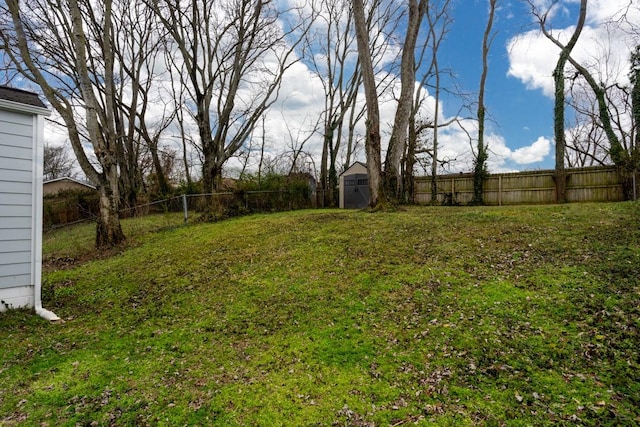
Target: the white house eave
pixel 19 107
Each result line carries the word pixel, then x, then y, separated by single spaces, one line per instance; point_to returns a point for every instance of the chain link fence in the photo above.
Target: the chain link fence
pixel 83 207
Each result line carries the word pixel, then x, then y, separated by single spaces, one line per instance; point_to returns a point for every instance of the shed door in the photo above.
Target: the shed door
pixel 356 191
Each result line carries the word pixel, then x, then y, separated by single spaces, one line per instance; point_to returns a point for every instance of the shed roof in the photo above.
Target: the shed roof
pixel 354 166
pixel 21 96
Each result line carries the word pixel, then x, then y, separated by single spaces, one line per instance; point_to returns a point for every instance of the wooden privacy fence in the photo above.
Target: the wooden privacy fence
pixel 593 184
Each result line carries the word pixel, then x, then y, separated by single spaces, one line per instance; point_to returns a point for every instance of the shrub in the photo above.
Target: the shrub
pixel 69 206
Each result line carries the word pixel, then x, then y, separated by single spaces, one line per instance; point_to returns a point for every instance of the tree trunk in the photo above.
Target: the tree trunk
pixel 560 175
pixel 616 150
pixel 635 97
pixel 334 195
pixel 101 130
pixel 398 140
pixel 211 175
pixel 480 164
pixel 408 186
pixel 325 181
pixel 558 109
pixel 209 147
pixel 108 230
pixel 434 162
pixel 377 198
pixel 163 185
pixel 435 40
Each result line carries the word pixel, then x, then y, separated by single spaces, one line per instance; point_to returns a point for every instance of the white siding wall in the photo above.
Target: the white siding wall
pixel 16 209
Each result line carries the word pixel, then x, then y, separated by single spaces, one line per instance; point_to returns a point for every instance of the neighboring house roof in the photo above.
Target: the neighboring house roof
pixel 65 183
pixel 355 165
pixel 69 179
pixel 20 96
pixel 228 184
pixel 302 175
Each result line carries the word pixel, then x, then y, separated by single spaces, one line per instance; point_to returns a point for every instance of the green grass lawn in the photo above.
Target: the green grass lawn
pixel 428 315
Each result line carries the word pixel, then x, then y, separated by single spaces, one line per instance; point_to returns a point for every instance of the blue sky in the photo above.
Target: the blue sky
pixel 518 102
pixel 519 114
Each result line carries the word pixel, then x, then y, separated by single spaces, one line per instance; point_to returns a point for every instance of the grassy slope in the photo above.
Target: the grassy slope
pixel 525 315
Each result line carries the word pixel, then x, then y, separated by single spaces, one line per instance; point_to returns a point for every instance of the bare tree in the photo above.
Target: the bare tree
pixel 377 198
pixel 94 63
pixel 438 20
pixel 47 44
pixel 389 190
pixel 415 130
pixel 297 138
pixel 481 155
pixel 137 42
pixel 620 150
pixel 634 77
pixel 356 113
pixel 333 63
pixel 397 142
pixel 559 94
pixel 616 151
pixel 56 162
pixel 419 141
pixel 337 67
pixel 235 54
pixel 587 141
pixel 182 119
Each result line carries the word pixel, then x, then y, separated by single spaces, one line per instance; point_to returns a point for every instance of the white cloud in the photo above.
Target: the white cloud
pixel 499 154
pixel 533 153
pixel 502 158
pixel 455 144
pixel 602 10
pixel 457 151
pixel 531 60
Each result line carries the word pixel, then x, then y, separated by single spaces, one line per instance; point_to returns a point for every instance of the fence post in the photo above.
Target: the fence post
pixel 499 190
pixel 184 207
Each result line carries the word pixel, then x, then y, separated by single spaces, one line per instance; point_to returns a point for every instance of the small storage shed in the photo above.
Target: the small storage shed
pixel 354 187
pixel 21 151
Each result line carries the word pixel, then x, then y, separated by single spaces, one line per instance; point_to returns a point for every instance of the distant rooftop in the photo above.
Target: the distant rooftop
pixel 21 96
